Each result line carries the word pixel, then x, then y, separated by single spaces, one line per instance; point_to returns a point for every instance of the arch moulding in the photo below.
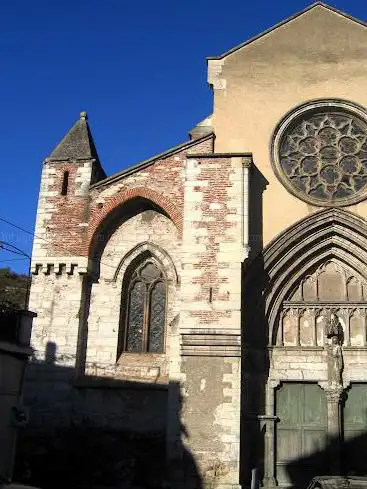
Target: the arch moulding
pixel 331 233
pixel 156 252
pixel 99 215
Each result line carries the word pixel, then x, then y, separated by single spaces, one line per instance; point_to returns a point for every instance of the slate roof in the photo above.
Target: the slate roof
pixel 77 144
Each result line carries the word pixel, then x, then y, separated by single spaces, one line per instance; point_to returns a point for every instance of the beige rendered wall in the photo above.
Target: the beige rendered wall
pixel 317 55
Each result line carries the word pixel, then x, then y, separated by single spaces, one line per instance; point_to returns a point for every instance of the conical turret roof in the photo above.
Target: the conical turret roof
pixel 77 144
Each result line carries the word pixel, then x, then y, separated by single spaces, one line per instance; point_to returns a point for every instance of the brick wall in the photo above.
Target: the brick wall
pixel 66 224
pixel 186 208
pixel 161 182
pixel 212 243
pixel 60 226
pixel 210 323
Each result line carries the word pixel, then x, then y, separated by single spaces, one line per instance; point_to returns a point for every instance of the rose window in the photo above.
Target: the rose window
pixel 322 156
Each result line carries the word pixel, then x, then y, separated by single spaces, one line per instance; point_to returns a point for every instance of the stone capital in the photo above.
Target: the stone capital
pixel 334 394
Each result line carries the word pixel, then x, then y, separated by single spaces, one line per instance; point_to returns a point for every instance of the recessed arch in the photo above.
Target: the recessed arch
pixel 326 235
pixel 120 215
pixel 100 215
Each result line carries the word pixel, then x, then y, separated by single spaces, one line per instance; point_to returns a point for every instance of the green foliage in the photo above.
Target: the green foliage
pixel 13 290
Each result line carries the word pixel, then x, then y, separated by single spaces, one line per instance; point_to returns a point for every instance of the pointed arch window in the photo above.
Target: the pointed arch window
pixel 144 309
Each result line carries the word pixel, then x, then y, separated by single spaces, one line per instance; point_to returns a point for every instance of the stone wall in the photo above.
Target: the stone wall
pixel 82 400
pixel 57 299
pixel 61 219
pixel 146 232
pixel 212 252
pixel 66 223
pixel 90 433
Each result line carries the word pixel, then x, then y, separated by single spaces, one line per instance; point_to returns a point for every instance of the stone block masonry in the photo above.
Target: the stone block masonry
pixel 210 322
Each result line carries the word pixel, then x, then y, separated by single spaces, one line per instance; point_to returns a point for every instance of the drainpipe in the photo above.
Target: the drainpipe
pixel 246 167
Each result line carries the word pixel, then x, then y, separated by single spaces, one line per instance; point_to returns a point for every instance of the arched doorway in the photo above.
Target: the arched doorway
pixel 316 268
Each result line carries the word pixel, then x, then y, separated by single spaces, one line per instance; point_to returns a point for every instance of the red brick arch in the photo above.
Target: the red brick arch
pixel 99 215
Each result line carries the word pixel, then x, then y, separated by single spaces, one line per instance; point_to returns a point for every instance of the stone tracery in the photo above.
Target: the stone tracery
pixel 323 156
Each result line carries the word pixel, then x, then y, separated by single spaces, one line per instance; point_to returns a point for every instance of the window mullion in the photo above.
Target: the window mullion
pixel 146 319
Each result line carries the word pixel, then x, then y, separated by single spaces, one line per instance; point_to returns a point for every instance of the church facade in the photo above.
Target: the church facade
pixel 226 277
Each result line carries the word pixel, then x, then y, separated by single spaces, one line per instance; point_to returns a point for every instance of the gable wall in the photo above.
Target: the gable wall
pixel 318 55
pixel 165 177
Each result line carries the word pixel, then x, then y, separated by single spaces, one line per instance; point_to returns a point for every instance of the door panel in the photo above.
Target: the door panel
pixel 355 429
pixel 289 445
pixel 301 432
pixel 313 441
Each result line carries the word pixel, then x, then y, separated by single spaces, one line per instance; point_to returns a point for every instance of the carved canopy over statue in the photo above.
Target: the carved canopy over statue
pixel 333 326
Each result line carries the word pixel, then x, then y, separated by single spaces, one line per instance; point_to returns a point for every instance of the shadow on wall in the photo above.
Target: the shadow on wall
pixel 255 362
pixel 257 189
pixel 353 461
pixel 255 370
pixel 91 432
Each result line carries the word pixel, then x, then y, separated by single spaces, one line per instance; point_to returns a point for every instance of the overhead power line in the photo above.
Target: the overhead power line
pixel 13 259
pixel 30 233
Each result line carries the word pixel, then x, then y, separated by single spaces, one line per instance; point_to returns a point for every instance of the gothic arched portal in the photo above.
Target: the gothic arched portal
pixel 317 266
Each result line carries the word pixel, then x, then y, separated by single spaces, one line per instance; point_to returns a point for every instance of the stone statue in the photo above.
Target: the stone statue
pixel 335 362
pixel 334 332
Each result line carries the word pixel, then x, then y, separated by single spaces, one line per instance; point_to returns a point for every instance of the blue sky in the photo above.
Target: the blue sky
pixel 138 67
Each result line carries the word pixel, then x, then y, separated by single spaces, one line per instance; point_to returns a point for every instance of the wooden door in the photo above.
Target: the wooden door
pixel 301 432
pixel 355 429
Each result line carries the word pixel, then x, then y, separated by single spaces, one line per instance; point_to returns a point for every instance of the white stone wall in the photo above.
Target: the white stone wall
pixel 56 299
pixel 310 365
pixel 44 213
pixel 147 231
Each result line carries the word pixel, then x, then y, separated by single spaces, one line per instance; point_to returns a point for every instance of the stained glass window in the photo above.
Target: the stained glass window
pixel 135 321
pixel 144 311
pixel 157 312
pixel 322 156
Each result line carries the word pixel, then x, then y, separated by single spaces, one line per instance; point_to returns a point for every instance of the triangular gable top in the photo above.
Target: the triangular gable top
pixel 146 163
pixel 77 144
pixel 315 5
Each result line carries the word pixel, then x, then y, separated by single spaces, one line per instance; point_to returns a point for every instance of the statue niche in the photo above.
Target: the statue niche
pixel 308 314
